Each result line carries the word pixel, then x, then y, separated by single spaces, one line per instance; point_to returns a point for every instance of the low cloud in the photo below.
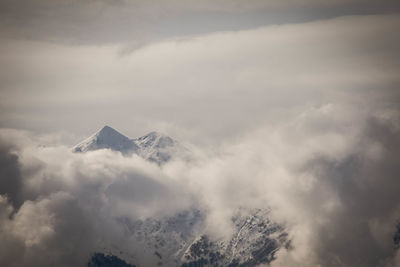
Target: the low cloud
pixel 329 175
pixel 58 207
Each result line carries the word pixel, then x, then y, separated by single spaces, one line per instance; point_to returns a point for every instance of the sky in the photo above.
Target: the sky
pixel 291 104
pixel 70 67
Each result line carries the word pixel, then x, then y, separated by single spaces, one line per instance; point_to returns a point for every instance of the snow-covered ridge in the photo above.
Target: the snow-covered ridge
pixel 179 240
pixel 154 146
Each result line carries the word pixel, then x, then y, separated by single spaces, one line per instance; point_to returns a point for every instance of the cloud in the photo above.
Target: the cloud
pixel 332 183
pixel 141 22
pixel 68 204
pixel 11 179
pixel 328 173
pixel 353 204
pixel 223 79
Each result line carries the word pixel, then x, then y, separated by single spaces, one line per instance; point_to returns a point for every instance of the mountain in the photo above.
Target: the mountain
pixel 154 146
pixel 102 260
pixel 254 241
pixel 107 138
pixel 180 240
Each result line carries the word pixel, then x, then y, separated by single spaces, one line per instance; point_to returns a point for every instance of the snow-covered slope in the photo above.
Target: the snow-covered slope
pixel 154 146
pixel 107 138
pixel 255 240
pixel 180 240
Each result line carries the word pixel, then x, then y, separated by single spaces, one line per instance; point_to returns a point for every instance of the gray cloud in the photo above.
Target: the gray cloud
pixel 142 22
pixel 64 212
pixel 360 231
pixel 224 79
pixel 10 175
pixel 328 173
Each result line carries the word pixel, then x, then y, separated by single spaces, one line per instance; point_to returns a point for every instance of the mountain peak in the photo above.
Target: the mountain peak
pixel 155 139
pixel 106 138
pixel 107 131
pixel 107 128
pixel 154 146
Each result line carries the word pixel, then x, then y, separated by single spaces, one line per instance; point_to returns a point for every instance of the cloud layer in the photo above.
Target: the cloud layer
pixel 330 175
pixel 206 88
pixel 59 207
pixel 138 23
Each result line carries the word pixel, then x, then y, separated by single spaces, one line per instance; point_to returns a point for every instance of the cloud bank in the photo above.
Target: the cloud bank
pixel 59 207
pixel 329 174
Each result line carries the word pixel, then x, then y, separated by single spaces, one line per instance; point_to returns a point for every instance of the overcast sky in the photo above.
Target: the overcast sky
pixel 201 70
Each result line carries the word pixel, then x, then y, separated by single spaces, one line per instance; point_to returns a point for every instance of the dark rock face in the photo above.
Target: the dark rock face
pixel 102 260
pixel 203 253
